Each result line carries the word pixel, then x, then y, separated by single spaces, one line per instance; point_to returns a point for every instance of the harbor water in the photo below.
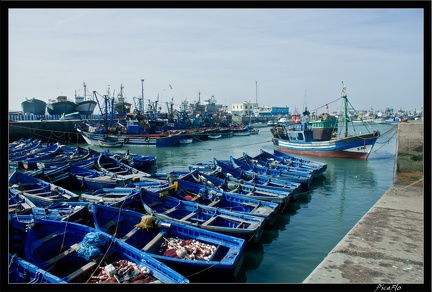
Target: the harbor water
pixel 311 227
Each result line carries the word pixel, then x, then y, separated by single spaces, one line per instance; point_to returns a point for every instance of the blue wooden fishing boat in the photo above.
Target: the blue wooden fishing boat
pixel 325 136
pixel 57 174
pixel 194 187
pixel 88 163
pixel 305 179
pixel 38 153
pixel 118 196
pixel 40 192
pixel 19 204
pixel 194 252
pixel 24 272
pixel 238 191
pixel 274 165
pixel 166 139
pixel 91 179
pixel 219 132
pixel 22 147
pixel 77 253
pixel 65 154
pixel 146 163
pixel 286 159
pixel 78 212
pixel 110 144
pixel 236 224
pixel 235 174
pixel 111 165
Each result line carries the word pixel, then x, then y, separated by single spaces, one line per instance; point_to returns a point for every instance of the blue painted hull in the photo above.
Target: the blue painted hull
pixel 191 213
pixel 225 260
pixel 73 251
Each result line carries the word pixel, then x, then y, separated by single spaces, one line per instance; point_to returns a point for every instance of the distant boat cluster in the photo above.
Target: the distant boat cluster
pixel 60 106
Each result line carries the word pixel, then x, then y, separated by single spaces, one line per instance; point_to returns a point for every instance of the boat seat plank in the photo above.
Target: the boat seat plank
pixel 130 233
pixel 197 219
pixel 121 171
pixel 187 217
pixel 170 210
pixel 73 248
pixel 109 168
pixel 37 194
pixel 154 244
pixel 209 221
pixel 213 203
pixel 251 204
pixel 34 190
pixel 82 270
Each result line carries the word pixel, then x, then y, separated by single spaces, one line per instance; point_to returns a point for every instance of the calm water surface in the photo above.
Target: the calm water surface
pixel 302 237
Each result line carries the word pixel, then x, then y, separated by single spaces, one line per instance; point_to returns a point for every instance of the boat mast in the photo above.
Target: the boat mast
pixel 141 104
pixel 344 96
pixel 256 92
pixel 85 91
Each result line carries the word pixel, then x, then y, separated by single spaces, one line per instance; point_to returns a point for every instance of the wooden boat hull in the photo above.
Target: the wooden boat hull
pixel 354 147
pixel 169 208
pixel 74 251
pixel 286 159
pixel 112 165
pixel 305 179
pixel 96 183
pixel 117 196
pixel 193 187
pixel 60 107
pixel 19 204
pixel 85 107
pixel 33 106
pixel 22 271
pixel 222 262
pixel 78 212
pixel 40 192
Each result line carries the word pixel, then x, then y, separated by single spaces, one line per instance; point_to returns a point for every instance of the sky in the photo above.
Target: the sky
pixel 276 57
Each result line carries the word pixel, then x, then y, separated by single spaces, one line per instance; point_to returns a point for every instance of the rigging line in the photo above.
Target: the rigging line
pixel 385 142
pixel 326 104
pixel 388 131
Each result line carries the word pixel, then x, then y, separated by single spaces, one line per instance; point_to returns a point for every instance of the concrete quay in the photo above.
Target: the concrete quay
pixel 386 247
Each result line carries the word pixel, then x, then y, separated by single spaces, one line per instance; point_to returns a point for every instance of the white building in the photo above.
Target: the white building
pixel 243 109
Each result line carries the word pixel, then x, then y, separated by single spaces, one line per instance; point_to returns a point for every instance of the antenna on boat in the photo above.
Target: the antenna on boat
pixel 344 97
pixel 85 90
pixel 142 95
pixel 305 101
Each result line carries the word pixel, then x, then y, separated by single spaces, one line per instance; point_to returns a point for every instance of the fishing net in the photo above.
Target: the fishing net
pixel 91 245
pixel 147 222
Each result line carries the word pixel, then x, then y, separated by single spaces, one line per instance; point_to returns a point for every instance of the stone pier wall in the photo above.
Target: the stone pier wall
pixel 410 149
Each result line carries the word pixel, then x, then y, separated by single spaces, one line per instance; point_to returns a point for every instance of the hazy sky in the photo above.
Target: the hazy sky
pixel 279 57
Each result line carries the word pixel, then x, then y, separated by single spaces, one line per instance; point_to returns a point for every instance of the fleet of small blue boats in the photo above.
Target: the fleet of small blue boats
pixel 159 227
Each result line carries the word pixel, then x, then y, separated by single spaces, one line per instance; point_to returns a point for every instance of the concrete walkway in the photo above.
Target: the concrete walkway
pixel 385 246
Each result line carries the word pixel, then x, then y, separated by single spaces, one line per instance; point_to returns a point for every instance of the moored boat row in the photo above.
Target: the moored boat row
pixel 195 222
